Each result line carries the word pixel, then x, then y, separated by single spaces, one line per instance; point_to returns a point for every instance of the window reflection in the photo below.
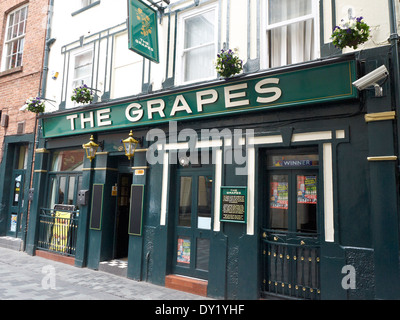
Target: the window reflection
pixel 185 202
pixel 68 160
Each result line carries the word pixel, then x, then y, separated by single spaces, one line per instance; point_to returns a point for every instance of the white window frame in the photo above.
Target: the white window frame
pixel 86 3
pixel 180 57
pixel 70 84
pixel 266 27
pixel 6 43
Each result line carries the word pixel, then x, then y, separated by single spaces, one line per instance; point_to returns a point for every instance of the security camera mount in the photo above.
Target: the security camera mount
pixel 371 80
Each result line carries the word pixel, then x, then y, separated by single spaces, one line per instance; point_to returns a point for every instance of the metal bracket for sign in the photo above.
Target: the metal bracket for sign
pixel 158 5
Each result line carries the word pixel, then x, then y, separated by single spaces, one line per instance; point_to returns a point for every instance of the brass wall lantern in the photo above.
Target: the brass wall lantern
pixel 130 145
pixel 91 148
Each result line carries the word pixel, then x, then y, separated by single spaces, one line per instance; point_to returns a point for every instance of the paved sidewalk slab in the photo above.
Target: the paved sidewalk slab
pixel 25 277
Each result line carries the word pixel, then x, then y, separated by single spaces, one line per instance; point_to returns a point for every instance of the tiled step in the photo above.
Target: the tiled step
pixel 186 284
pixel 116 267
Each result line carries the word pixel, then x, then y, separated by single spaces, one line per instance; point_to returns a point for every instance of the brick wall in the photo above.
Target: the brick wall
pixel 22 83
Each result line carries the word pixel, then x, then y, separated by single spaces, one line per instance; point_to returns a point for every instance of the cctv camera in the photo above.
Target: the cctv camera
pixel 371 78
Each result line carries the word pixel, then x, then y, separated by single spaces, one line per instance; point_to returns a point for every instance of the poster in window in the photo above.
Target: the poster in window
pixel 13 226
pixel 279 195
pixel 307 189
pixel 183 254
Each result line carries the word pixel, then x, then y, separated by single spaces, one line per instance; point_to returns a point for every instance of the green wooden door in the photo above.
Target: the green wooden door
pixel 193 222
pixel 16 203
pixel 290 235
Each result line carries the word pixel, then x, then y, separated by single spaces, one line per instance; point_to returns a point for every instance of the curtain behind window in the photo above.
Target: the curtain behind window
pixel 199 46
pixel 293 42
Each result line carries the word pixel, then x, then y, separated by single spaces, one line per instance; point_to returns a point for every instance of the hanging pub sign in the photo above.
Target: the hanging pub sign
pixel 143 30
pixel 233 204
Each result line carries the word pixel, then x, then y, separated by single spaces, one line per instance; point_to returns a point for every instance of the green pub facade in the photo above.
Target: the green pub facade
pixel 278 181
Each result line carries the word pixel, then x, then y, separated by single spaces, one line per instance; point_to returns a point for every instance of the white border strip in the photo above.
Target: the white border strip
pixel 217 190
pixel 328 193
pixel 312 136
pixel 251 175
pixel 164 190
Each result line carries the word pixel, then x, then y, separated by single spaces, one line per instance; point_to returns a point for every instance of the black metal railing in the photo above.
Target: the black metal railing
pixel 291 267
pixel 57 231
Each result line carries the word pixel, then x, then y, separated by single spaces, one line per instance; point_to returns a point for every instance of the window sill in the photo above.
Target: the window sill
pixel 11 71
pixel 85 8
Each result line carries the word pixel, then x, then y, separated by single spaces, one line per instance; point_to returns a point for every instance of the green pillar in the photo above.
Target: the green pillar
pixel 84 217
pixel 39 185
pixel 135 253
pixel 100 242
pixel 384 195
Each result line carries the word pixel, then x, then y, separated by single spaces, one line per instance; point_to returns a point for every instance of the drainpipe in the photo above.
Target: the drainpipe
pixel 42 91
pixel 49 42
pixel 394 41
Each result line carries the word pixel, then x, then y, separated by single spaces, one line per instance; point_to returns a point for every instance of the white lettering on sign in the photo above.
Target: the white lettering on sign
pixel 103 115
pixel 234 96
pixel 89 119
pixel 159 109
pixel 180 104
pixel 259 89
pixel 229 96
pixel 201 102
pixel 134 115
pixel 72 117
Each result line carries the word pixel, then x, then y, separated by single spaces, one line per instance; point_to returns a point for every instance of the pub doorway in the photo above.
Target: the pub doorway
pixel 290 228
pixel 192 221
pixel 121 239
pixel 117 259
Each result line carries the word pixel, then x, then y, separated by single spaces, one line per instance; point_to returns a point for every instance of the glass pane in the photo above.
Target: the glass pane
pixel 202 254
pixel 61 190
pixel 199 30
pixel 204 202
pixel 68 160
pixel 185 202
pixel 307 203
pixel 198 63
pixel 279 202
pixel 83 68
pixel 17 190
pixel 21 163
pixel 298 160
pixel 282 10
pixel 53 192
pixel 183 252
pixel 71 190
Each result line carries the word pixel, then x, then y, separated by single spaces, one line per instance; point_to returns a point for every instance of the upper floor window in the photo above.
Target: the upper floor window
pixel 198 46
pixel 14 38
pixel 85 3
pixel 291 32
pixel 83 69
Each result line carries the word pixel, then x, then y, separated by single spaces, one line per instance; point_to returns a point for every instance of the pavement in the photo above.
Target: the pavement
pixel 25 277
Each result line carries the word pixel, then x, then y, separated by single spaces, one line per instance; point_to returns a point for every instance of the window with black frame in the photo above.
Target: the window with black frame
pixel 65 178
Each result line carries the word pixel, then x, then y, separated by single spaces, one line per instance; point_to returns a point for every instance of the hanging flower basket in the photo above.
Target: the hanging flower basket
pixel 35 105
pixel 228 63
pixel 82 94
pixel 351 33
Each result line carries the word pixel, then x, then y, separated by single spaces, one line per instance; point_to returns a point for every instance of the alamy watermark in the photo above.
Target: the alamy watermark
pixel 194 147
pixel 349 280
pixel 49 279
